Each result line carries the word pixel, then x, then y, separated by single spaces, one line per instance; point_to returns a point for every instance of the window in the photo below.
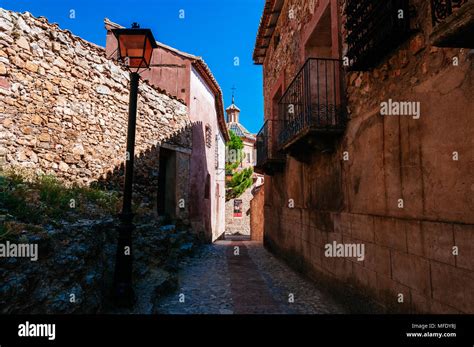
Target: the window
pixel 374 28
pixel 208 136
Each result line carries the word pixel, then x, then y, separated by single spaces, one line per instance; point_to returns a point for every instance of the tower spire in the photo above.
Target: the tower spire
pixel 233 92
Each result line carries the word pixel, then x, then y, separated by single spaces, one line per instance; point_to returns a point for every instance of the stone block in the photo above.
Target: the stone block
pixel 412 271
pixel 342 223
pixel 31 67
pixel 453 286
pixel 365 278
pixel 44 137
pixel 438 241
pixel 306 251
pixel 464 240
pixel 377 258
pixel 437 307
pixel 331 237
pixel 316 254
pixel 362 227
pixel 390 232
pixel 414 237
pixel 4 85
pixel 420 303
pixel 341 268
pixel 388 292
pixel 22 42
pixel 317 237
pixel 417 43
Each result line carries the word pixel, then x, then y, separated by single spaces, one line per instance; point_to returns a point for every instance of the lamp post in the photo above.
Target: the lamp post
pixel 135 48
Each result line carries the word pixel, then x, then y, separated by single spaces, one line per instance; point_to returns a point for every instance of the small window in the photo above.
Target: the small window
pixel 276 40
pixel 208 136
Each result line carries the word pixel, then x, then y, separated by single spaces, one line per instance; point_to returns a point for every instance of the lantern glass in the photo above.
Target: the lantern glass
pixel 148 52
pixel 135 46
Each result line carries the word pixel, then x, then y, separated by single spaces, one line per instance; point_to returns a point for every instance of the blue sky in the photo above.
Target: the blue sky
pixel 217 30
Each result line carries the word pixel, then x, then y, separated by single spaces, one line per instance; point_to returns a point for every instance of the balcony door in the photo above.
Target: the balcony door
pixel 319 40
pixel 322 76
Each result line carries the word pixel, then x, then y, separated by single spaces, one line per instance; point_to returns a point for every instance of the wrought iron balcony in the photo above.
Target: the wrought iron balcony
pixel 313 104
pixel 453 23
pixel 269 158
pixel 374 28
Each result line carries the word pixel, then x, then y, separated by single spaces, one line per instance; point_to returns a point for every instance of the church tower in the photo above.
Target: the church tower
pixel 233 112
pixel 248 139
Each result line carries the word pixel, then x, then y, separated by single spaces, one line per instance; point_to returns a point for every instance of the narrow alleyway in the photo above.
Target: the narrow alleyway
pixel 217 281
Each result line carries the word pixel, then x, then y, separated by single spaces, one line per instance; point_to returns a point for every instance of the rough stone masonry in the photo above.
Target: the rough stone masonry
pixel 412 248
pixel 64 107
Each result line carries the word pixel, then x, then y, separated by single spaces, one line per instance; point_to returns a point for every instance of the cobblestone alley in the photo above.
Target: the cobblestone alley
pixel 217 281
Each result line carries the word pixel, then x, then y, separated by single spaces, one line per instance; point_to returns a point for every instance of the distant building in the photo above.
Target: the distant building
pixel 189 78
pixel 238 210
pixel 233 124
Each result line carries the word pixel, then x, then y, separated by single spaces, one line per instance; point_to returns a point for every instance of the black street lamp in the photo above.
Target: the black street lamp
pixel 135 48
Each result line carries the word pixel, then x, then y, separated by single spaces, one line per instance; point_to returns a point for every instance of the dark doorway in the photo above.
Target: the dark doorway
pixel 166 204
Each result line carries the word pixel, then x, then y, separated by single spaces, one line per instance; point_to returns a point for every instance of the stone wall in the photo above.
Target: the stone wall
pixel 408 249
pixel 64 108
pixel 239 225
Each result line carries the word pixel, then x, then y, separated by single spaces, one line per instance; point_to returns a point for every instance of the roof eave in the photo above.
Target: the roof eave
pixel 206 73
pixel 268 21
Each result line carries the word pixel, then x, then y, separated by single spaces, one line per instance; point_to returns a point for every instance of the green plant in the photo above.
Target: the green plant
pixel 14 193
pixel 239 183
pixel 241 180
pixel 47 199
pixel 14 177
pixel 105 199
pixel 53 195
pixel 234 151
pixel 3 231
pixel 13 230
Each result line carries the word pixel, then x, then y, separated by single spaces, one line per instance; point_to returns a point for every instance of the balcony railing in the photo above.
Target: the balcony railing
pixel 453 23
pixel 442 9
pixel 269 158
pixel 313 102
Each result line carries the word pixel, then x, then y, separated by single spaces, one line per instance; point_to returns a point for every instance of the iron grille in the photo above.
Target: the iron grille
pixel 374 28
pixel 442 9
pixel 267 144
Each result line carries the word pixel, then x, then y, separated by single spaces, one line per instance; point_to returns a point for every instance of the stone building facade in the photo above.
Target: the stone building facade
pixel 64 110
pixel 188 77
pixel 237 214
pixel 401 185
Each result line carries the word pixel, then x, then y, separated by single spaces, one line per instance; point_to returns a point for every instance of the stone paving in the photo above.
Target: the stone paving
pixel 218 281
